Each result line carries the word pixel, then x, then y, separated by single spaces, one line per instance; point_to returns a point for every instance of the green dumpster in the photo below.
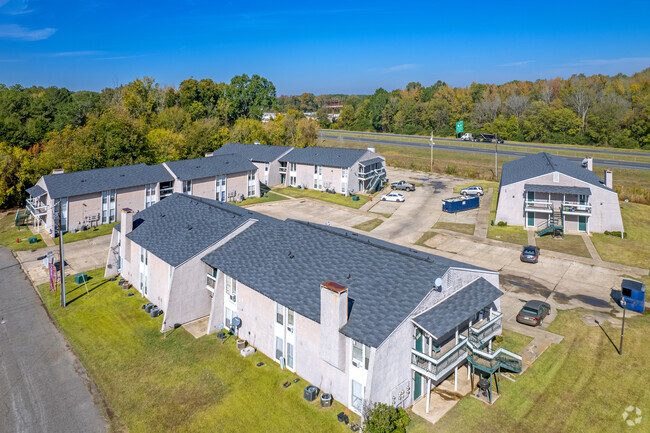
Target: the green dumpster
pixel 80 278
pixel 32 239
pixel 355 198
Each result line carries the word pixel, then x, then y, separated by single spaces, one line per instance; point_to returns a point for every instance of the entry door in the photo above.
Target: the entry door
pixel 582 223
pixel 417 386
pixel 531 219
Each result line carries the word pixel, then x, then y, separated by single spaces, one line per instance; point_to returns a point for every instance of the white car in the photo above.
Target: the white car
pixel 393 196
pixel 472 190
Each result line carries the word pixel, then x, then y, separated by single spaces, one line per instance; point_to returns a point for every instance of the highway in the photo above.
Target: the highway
pixel 631 165
pixel 334 132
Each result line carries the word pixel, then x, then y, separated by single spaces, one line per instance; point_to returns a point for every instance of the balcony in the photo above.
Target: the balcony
pixel 481 332
pixel 441 363
pixel 363 175
pixel 539 206
pixel 283 169
pixel 576 208
pixel 36 208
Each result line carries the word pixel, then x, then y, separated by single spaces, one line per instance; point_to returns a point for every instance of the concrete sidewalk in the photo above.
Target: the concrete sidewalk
pixel 43 386
pixel 483 218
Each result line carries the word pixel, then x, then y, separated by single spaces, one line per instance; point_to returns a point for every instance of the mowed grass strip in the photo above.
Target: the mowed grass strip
pixel 180 383
pixel 9 233
pixel 512 234
pixel 270 197
pixel 369 225
pixel 324 196
pixel 571 244
pixel 93 232
pixel 424 238
pixel 467 229
pixel 634 250
pixel 511 340
pixel 578 385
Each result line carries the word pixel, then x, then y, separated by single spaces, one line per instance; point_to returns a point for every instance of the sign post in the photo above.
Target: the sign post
pixel 459 128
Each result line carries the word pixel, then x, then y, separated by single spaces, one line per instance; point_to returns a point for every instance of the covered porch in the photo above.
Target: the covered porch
pixel 36 208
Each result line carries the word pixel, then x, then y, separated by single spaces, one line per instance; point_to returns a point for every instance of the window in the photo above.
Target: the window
pixel 531 196
pixel 360 355
pixel 187 187
pixel 166 189
pixel 266 166
pixel 357 395
pixel 143 256
pixel 556 177
pixel 344 173
pixel 251 183
pixel 290 320
pixel 289 355
pixel 279 313
pixel 292 180
pixel 108 206
pixel 292 166
pixel 279 343
pixel 231 288
pixel 149 195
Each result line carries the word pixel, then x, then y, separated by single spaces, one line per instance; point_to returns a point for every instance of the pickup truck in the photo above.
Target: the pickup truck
pixel 402 186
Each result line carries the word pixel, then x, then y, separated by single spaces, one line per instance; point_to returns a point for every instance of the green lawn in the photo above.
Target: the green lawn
pixel 468 229
pixel 424 238
pixel 9 233
pixel 512 234
pixel 101 230
pixel 321 195
pixel 486 184
pixel 579 385
pixel 571 244
pixel 512 341
pixel 369 225
pixel 177 384
pixel 634 250
pixel 269 197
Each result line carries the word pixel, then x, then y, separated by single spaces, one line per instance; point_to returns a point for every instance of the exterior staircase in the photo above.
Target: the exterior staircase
pixel 553 223
pixel 375 181
pixel 492 362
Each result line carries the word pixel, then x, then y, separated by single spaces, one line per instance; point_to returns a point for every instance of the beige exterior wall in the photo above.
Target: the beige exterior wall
pixel 77 211
pixel 605 211
pixel 132 198
pixel 205 187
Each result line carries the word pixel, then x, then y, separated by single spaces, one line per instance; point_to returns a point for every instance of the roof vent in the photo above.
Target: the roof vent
pixel 290 255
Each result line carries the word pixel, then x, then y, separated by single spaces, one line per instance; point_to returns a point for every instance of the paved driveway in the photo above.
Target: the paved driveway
pixel 43 386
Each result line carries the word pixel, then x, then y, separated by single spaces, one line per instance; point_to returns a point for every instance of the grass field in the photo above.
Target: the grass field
pixel 512 234
pixel 270 196
pixel 579 385
pixel 321 195
pixel 467 229
pixel 180 383
pixel 571 244
pixel 101 230
pixel 512 341
pixel 486 184
pixel 9 233
pixel 634 250
pixel 424 238
pixel 369 225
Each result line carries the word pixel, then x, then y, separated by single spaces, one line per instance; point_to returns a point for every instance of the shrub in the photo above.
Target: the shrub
pixel 502 223
pixel 451 169
pixel 383 418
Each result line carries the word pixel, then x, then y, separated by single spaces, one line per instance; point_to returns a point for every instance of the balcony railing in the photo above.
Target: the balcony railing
pixel 166 192
pixel 36 208
pixel 283 169
pixel 539 205
pixel 486 329
pixel 576 208
pixel 436 367
pixel 363 175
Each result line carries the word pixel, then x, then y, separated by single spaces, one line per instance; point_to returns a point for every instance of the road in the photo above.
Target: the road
pixel 534 146
pixel 43 386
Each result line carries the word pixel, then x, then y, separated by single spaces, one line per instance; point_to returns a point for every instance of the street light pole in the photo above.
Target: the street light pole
pixel 496 156
pixel 61 259
pixel 620 347
pixel 432 143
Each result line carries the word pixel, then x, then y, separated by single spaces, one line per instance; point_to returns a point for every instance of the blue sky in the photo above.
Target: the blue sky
pixel 318 47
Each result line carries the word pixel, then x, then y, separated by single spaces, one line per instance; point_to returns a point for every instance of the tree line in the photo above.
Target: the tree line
pixel 596 110
pixel 46 128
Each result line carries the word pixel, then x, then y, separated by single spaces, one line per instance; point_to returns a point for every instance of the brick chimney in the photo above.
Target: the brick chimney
pixel 333 316
pixel 126 226
pixel 609 179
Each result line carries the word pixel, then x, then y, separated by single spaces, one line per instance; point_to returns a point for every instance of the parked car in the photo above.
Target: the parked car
pixel 472 190
pixel 402 186
pixel 533 313
pixel 530 254
pixel 393 196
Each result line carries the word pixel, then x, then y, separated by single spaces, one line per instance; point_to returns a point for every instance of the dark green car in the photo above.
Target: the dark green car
pixel 533 313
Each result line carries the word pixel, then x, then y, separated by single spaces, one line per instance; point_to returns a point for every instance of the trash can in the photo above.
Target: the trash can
pixel 326 400
pixel 80 278
pixel 355 198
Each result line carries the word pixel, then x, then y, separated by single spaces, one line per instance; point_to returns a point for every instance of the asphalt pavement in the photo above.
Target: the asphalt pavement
pixel 43 386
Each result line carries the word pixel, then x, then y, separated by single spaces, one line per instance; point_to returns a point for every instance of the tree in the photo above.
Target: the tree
pixel 250 96
pixel 12 181
pixel 517 104
pixel 382 418
pixel 486 110
pixel 248 131
pixel 143 98
pixel 580 99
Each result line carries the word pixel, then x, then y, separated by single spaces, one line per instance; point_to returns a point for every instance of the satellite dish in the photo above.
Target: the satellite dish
pixel 438 283
pixel 585 162
pixel 236 322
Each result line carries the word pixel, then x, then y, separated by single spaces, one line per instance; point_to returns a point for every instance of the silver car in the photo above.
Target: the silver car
pixel 533 313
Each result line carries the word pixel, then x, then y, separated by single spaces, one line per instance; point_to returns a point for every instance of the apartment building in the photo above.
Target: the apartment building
pixel 265 157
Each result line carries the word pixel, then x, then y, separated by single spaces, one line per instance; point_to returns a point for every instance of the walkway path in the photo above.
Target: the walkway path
pixel 591 248
pixel 43 386
pixel 531 237
pixel 483 218
pixel 542 340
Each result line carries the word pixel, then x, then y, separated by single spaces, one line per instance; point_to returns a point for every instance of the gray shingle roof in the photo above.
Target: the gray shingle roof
pixel 254 152
pixel 209 166
pixel 180 226
pixel 327 156
pixel 557 189
pixel 104 179
pixel 289 261
pixel 544 163
pixel 460 306
pixel 372 161
pixel 35 191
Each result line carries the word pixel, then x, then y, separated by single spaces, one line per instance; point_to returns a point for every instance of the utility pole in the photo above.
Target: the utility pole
pixel 432 143
pixel 61 260
pixel 496 156
pixel 620 347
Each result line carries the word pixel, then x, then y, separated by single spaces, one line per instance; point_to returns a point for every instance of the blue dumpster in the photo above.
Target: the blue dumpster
pixel 458 204
pixel 634 294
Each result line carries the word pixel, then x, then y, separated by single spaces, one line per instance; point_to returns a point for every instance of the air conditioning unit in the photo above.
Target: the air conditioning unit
pixel 311 392
pixel 155 312
pixel 148 307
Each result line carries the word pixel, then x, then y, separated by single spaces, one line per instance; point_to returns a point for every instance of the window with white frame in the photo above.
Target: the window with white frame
pixel 229 316
pixel 231 288
pixel 251 183
pixel 279 348
pixel 289 355
pixel 290 320
pixel 279 314
pixel 292 166
pixel 360 355
pixel 149 195
pixel 187 187
pixel 357 395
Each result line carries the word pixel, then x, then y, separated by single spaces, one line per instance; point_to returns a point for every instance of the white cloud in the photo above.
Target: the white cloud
pixel 75 53
pixel 14 31
pixel 403 67
pixel 519 63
